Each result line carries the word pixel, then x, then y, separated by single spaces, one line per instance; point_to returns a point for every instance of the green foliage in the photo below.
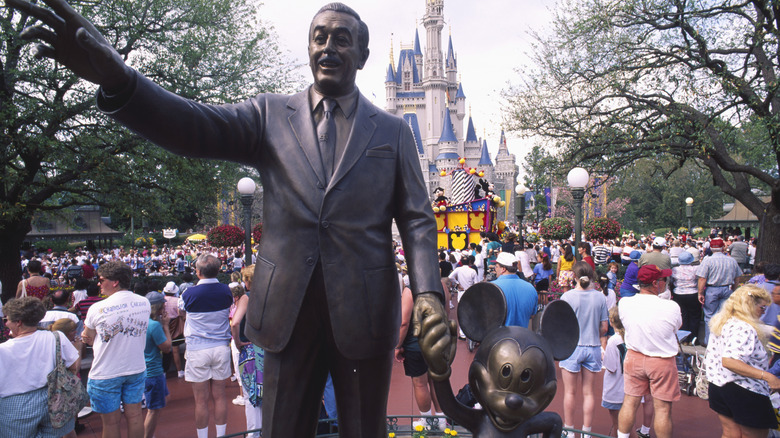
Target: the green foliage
pixel 226 235
pixel 555 228
pixel 677 83
pixel 55 245
pixel 57 150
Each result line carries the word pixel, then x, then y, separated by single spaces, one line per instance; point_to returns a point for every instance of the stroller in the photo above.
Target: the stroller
pixel 690 362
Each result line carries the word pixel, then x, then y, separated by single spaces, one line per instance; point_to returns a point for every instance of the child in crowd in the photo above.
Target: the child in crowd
pixel 612 275
pixel 614 353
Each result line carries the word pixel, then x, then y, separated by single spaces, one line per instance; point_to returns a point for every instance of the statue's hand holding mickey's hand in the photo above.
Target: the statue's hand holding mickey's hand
pixel 436 334
pixel 74 42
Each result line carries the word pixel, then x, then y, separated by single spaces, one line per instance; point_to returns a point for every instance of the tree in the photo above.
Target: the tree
pixel 622 80
pixel 58 151
pixel 538 166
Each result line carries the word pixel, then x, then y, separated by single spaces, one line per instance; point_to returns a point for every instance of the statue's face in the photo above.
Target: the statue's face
pixel 334 53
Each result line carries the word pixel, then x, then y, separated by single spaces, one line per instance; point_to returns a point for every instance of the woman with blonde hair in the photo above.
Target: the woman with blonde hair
pixel 736 366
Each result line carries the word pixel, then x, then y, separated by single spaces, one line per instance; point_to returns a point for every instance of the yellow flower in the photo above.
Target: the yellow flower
pixel 418 428
pixel 453 432
pixel 391 435
pixel 447 431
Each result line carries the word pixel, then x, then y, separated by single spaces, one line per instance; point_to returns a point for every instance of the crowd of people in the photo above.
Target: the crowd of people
pixel 630 296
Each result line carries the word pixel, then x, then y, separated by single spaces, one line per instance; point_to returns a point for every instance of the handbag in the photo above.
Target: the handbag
pixel 67 395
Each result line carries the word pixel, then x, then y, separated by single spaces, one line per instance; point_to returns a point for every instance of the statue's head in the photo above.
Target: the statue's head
pixel 513 373
pixel 338 48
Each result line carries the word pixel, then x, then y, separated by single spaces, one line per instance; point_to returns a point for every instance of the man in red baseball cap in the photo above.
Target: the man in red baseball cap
pixel 651 325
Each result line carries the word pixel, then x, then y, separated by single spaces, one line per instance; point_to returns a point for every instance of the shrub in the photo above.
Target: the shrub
pixel 56 245
pixel 555 228
pixel 226 235
pixel 601 228
pixel 146 241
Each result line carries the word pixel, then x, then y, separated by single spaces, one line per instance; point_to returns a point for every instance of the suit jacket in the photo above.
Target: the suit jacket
pixel 345 224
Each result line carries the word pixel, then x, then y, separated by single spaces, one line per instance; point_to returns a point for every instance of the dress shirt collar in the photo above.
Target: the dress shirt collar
pixel 207 281
pixel 347 103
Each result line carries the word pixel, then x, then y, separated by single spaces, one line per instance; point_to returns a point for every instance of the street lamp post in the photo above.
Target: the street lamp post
pixel 246 187
pixel 578 178
pixel 520 205
pixel 689 212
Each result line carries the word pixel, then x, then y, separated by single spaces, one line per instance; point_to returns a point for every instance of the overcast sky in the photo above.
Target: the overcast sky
pixel 490 37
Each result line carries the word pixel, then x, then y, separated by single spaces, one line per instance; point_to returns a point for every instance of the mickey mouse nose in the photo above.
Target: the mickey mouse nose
pixel 514 401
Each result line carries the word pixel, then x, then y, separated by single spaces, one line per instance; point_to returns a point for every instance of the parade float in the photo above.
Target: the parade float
pixel 471 209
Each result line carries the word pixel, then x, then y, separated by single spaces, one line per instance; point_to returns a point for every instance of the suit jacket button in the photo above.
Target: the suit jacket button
pixel 320 186
pixel 325 224
pixel 310 261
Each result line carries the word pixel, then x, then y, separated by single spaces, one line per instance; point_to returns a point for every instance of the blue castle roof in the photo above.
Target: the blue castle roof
pixel 460 94
pixel 451 53
pixel 408 55
pixel 417 50
pixel 390 74
pixel 447 133
pixel 485 160
pixel 448 155
pixel 432 168
pixel 411 119
pixel 471 133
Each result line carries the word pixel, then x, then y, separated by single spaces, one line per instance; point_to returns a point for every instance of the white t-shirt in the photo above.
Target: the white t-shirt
pixel 25 362
pixel 525 265
pixel 79 295
pixel 53 315
pixel 613 391
pixel 120 321
pixel 651 324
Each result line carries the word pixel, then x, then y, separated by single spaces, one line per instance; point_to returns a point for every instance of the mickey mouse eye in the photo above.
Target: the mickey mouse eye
pixel 506 370
pixel 505 378
pixel 525 376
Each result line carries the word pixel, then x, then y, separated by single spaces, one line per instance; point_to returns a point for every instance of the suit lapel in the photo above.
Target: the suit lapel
pixel 362 131
pixel 302 124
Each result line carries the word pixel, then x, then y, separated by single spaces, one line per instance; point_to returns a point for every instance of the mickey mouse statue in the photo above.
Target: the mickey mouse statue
pixel 513 373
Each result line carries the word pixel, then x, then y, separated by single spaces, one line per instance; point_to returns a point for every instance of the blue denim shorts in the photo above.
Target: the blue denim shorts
pixel 105 394
pixel 156 391
pixel 583 356
pixel 611 406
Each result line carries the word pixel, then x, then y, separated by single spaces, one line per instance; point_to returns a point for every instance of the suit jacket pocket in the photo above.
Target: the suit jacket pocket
pixel 264 271
pixel 383 298
pixel 380 153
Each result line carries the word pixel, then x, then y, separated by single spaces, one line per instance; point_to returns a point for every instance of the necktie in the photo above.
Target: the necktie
pixel 326 133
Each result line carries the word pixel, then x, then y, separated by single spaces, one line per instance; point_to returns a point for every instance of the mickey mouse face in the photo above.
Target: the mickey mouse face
pixel 511 377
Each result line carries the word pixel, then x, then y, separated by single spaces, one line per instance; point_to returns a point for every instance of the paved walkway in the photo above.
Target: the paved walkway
pixel 691 415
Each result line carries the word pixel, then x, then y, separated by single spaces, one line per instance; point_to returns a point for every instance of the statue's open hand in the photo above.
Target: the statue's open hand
pixel 73 41
pixel 436 334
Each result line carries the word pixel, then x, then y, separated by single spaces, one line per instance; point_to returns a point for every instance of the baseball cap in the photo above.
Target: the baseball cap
pixel 506 259
pixel 685 258
pixel 717 243
pixel 155 297
pixel 659 241
pixel 635 255
pixel 650 273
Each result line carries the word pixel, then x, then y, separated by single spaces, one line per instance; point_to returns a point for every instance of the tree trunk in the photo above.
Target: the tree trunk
pixel 11 238
pixel 768 247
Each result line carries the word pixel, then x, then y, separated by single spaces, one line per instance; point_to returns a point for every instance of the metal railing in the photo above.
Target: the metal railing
pixel 401 426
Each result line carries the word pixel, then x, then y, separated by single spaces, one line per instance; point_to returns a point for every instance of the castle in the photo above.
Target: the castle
pixel 424 89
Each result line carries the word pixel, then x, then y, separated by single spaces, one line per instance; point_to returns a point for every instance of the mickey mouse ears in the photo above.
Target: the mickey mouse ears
pixel 481 309
pixel 560 328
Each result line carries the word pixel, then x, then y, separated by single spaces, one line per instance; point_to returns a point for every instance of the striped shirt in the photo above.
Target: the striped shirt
pixel 719 270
